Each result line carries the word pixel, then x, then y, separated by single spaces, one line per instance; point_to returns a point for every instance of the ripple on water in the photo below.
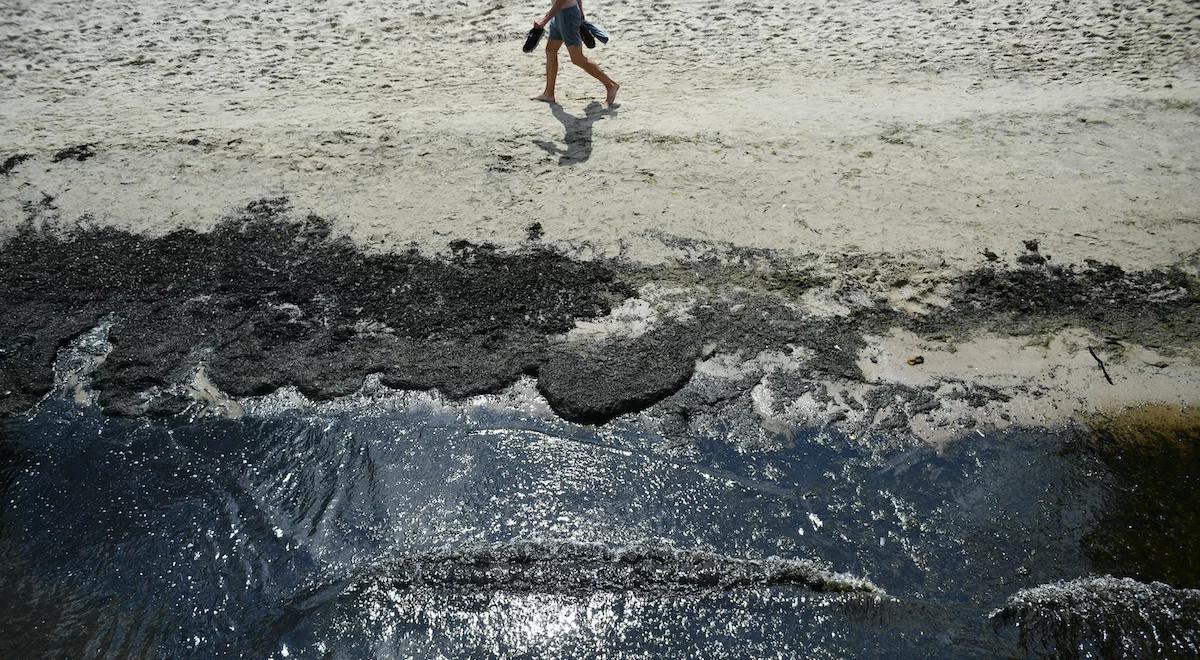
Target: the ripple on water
pixel 417 529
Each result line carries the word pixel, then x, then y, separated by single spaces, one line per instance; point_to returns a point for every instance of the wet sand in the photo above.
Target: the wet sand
pixel 267 300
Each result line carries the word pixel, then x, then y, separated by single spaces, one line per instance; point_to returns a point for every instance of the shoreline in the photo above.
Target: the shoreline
pixel 875 347
pixel 318 338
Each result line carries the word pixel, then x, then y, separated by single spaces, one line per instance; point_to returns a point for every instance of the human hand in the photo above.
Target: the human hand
pixel 539 24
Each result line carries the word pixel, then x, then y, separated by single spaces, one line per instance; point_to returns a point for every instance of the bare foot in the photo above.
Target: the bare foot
pixel 544 98
pixel 611 100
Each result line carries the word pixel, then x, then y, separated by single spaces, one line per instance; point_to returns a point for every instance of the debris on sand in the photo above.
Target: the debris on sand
pixel 79 152
pixel 12 162
pixel 267 300
pixel 1100 362
pixel 534 232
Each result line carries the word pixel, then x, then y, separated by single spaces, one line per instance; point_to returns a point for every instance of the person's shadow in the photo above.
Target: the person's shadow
pixel 578 132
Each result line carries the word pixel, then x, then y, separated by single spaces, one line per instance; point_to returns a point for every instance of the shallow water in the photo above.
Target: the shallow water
pixel 415 529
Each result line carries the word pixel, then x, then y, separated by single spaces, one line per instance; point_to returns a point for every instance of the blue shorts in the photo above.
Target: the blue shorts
pixel 565 26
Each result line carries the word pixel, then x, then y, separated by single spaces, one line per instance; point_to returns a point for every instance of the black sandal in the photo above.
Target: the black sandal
pixel 532 39
pixel 589 39
pixel 595 31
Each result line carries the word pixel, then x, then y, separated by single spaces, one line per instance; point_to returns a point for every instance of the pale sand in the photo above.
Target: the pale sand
pixel 879 126
pixel 927 131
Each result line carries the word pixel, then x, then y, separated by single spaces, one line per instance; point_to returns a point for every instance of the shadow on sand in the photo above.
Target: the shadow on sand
pixel 578 135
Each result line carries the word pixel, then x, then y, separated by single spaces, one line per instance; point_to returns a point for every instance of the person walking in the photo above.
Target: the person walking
pixel 565 18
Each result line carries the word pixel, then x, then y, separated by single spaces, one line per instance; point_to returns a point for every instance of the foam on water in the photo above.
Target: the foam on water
pixel 1105 616
pixel 574 566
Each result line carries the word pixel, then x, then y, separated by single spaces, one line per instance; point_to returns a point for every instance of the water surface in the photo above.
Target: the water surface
pixel 407 528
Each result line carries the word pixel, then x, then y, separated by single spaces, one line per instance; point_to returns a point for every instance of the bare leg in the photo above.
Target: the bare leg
pixel 547 96
pixel 580 60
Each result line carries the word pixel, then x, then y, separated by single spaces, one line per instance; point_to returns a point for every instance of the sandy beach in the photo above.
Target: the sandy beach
pixel 918 142
pixel 880 127
pixel 886 228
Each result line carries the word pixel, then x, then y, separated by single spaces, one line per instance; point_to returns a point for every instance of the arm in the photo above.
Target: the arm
pixel 582 14
pixel 554 9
